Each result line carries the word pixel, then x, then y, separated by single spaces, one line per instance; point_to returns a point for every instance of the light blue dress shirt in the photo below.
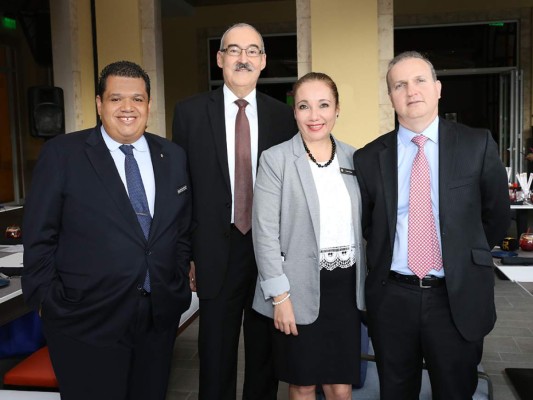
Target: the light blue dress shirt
pixel 406 154
pixel 141 151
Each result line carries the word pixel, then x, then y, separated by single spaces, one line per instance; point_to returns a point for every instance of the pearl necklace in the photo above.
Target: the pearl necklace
pixel 333 148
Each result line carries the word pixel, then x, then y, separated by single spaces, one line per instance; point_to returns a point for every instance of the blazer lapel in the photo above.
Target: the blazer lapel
pixel 352 185
pixel 388 162
pixel 105 168
pixel 216 115
pixel 308 184
pixel 346 161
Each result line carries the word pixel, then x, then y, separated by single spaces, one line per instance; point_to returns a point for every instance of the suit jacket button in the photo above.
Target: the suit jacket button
pixel 383 283
pixel 148 252
pixel 228 205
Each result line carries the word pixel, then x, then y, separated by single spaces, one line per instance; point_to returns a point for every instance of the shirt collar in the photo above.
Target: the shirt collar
pixel 140 145
pixel 431 132
pixel 229 98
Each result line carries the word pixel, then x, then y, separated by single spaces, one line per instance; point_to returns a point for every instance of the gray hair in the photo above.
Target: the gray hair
pixel 410 54
pixel 241 25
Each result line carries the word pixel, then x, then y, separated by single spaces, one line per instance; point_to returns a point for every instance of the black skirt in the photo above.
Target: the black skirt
pixel 328 351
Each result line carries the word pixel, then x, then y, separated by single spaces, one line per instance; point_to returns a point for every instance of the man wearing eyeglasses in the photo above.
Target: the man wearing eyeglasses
pixel 222 139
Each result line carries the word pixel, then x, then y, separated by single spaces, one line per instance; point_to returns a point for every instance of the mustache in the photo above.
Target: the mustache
pixel 246 66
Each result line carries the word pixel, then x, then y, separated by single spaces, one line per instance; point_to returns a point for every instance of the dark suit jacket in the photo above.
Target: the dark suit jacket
pixel 84 250
pixel 474 215
pixel 199 127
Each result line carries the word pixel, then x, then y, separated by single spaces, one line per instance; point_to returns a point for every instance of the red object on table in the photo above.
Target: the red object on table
pixel 526 241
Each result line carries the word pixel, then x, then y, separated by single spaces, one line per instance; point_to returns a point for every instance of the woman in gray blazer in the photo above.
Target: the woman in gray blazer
pixel 309 248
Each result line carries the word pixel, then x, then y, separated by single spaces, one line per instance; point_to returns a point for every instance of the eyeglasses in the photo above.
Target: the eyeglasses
pixel 235 51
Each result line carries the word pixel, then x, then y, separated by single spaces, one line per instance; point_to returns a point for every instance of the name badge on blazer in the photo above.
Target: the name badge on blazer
pixel 182 189
pixel 347 171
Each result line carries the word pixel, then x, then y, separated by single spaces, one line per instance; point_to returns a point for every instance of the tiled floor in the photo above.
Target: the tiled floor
pixel 183 383
pixel 510 344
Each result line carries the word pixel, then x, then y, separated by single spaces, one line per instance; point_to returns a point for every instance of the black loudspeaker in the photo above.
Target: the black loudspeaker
pixel 46 110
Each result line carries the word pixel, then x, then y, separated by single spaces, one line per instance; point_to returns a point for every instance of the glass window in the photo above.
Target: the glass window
pixel 484 45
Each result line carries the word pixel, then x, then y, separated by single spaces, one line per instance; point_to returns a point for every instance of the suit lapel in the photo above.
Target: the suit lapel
pixel 265 139
pixel 215 112
pixel 388 161
pixel 160 161
pixel 105 168
pixel 308 184
pixel 447 151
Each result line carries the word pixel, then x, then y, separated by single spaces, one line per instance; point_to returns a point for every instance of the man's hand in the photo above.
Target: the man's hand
pixel 192 277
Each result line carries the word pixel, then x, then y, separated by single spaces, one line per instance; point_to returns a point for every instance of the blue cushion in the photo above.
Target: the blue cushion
pixel 21 336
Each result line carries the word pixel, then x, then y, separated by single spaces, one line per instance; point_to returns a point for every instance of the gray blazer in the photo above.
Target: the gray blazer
pixel 286 220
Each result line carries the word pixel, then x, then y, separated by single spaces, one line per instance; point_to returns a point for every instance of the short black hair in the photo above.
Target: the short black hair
pixel 125 69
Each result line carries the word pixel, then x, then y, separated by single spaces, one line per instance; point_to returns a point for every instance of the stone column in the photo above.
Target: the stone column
pixel 73 61
pixel 386 53
pixel 303 35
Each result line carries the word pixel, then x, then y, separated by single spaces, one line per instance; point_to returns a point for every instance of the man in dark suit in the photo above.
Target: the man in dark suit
pixel 223 270
pixel 430 284
pixel 107 249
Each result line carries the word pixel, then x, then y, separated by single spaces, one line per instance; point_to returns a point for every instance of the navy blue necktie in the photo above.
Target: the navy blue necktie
pixel 137 197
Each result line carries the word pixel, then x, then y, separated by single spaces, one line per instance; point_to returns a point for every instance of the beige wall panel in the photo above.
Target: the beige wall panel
pixel 118 31
pixel 344 44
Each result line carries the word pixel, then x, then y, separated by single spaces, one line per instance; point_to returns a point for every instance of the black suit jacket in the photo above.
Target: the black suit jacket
pixel 84 251
pixel 474 215
pixel 199 127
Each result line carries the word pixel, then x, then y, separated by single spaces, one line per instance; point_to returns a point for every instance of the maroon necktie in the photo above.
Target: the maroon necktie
pixel 423 250
pixel 243 171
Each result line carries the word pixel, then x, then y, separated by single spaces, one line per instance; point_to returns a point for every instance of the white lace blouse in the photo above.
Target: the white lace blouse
pixel 337 242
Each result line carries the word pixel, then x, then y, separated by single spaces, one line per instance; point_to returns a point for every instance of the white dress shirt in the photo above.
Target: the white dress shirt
pixel 230 114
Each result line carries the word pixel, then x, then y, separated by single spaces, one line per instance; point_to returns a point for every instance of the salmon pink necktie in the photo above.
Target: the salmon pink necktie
pixel 423 243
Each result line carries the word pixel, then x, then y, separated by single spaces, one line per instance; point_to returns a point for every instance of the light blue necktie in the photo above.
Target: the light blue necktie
pixel 137 198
